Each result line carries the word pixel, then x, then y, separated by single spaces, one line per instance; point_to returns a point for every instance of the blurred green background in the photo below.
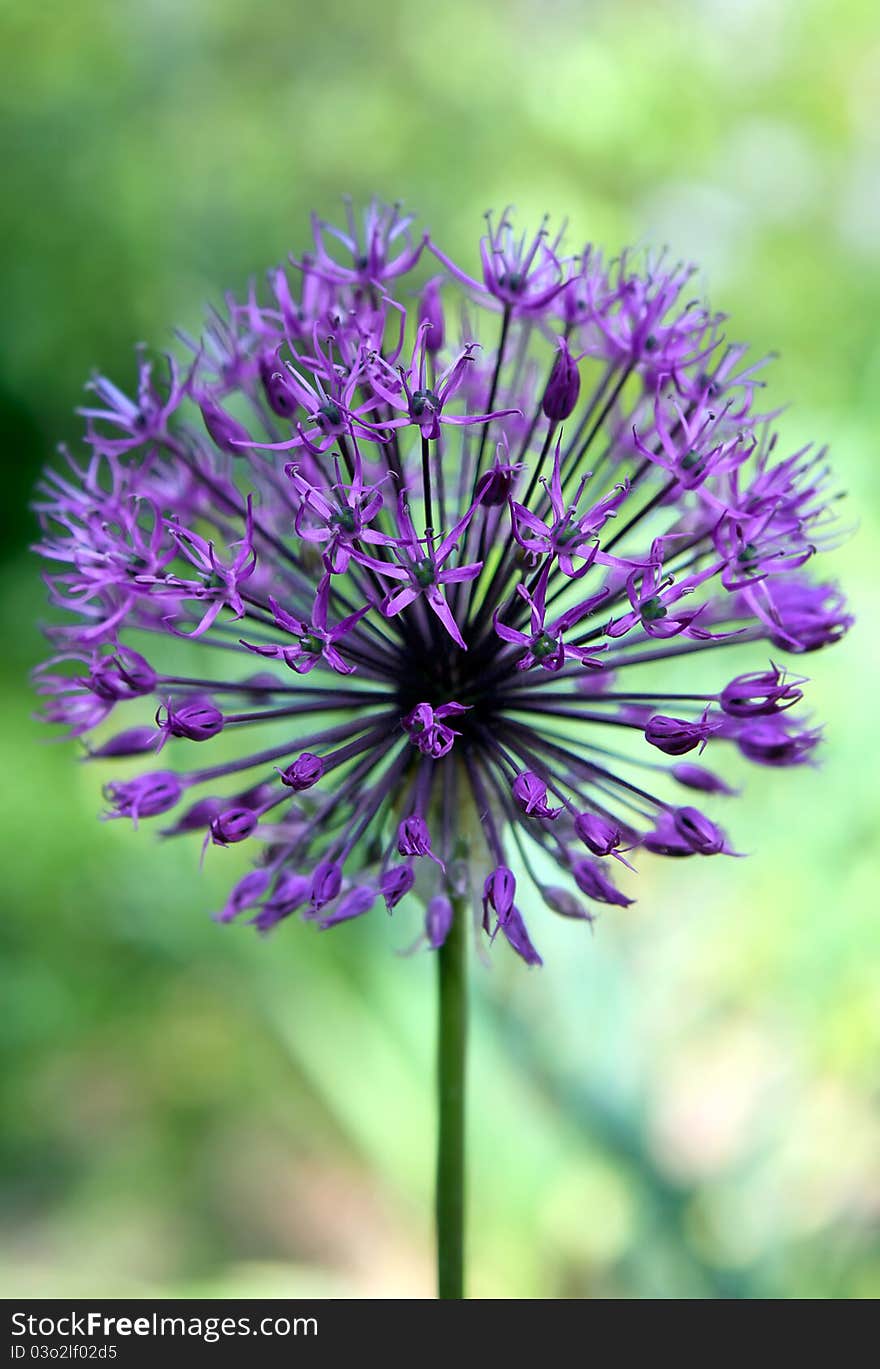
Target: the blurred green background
pixel 684 1104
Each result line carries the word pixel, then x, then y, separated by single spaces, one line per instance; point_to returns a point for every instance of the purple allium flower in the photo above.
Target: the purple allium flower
pixel 464 561
pixel 499 892
pixel 144 797
pixel 232 825
pixel 429 732
pixel 677 736
pixel 531 795
pixel 395 884
pixel 763 691
pixel 699 778
pixel 197 720
pixel 599 835
pixel 591 879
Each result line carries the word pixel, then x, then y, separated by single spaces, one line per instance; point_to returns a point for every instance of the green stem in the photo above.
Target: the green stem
pixel 451 1056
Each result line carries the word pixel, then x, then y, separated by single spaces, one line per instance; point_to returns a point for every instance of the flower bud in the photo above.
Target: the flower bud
pixel 198 721
pixel 810 616
pixel 413 837
pixel 762 692
pixel 233 825
pixel 438 920
pixel 563 902
pixel 395 884
pixel 531 795
pixel 514 930
pixel 563 387
pixel 197 817
pixel 698 832
pixel 305 771
pixel 495 486
pixel 499 891
pixel 431 311
pixel 124 675
pixel 591 879
pixel 430 734
pixel 677 736
pixel 290 892
pixel 134 741
pixel 326 883
pixel 353 904
pixel 144 797
pixel 666 839
pixel 599 835
pixel 696 777
pixel 245 894
pixel 279 395
pixel 225 431
pixel 766 743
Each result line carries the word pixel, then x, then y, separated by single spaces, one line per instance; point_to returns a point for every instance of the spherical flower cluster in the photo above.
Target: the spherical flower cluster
pixel 434 576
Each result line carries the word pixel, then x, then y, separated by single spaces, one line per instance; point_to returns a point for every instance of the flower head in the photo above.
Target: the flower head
pixel 464 569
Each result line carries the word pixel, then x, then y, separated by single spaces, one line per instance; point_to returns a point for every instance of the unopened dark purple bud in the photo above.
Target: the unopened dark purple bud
pixel 768 744
pixel 146 796
pixel 197 817
pixel 563 388
pixel 531 795
pixel 232 825
pixel 125 675
pixel 198 722
pixel 514 930
pixel 599 835
pixel 395 884
pixel 353 904
pixel 226 432
pixel 665 839
pixel 676 736
pixel 700 834
pixel 495 487
pixel 499 891
pixel 762 692
pixel 591 879
pixel 267 917
pixel 697 777
pixel 134 741
pixel 431 311
pixel 563 902
pixel 245 894
pixel 413 837
pixel 278 392
pixel 305 771
pixel 326 883
pixel 290 892
pixel 438 920
pixel 137 672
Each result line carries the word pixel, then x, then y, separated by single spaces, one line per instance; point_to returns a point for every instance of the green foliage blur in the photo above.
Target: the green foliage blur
pixel 683 1104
